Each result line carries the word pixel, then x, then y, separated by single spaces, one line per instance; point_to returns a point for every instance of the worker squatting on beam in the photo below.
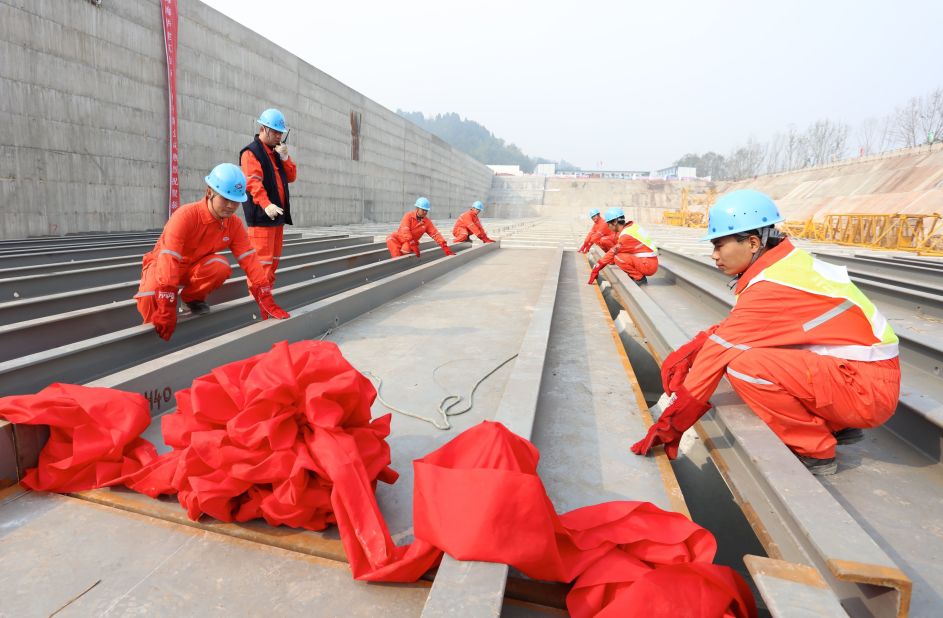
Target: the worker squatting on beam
pixel 412 227
pixel 599 234
pixel 269 170
pixel 186 255
pixel 803 346
pixel 468 224
pixel 634 250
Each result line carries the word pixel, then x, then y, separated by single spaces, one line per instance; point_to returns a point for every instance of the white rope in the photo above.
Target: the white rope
pixel 445 406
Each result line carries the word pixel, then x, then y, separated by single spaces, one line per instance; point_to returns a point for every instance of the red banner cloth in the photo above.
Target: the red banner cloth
pixel 168 9
pixel 93 435
pixel 258 437
pixel 479 498
pixel 287 435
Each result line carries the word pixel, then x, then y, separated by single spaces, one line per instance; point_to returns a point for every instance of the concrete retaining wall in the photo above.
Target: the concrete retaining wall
pixel 83 123
pixel 533 196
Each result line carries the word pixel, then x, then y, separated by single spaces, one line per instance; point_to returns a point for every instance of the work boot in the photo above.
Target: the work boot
pixel 849 435
pixel 198 307
pixel 642 281
pixel 819 467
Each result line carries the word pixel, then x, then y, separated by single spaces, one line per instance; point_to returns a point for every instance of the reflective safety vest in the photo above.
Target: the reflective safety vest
pixel 635 231
pixel 801 271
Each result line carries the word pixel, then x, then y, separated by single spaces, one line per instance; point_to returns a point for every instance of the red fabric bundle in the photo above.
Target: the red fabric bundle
pixel 256 438
pixel 479 498
pixel 93 435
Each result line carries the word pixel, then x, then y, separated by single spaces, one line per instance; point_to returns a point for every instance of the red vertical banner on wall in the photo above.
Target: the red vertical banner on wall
pixel 169 18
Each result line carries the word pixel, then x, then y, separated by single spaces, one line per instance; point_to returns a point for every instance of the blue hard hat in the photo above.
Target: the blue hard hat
pixel 593 212
pixel 478 205
pixel 422 203
pixel 273 119
pixel 229 181
pixel 741 211
pixel 613 213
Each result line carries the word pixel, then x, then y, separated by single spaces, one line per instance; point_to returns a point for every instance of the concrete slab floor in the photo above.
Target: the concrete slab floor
pixel 147 566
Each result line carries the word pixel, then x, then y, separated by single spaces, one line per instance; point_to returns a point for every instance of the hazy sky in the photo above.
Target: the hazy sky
pixel 622 85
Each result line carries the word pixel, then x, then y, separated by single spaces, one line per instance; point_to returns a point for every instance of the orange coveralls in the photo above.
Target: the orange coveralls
pixel 601 235
pixel 267 241
pixel 186 255
pixel 623 254
pixel 410 231
pixel 802 395
pixel 468 224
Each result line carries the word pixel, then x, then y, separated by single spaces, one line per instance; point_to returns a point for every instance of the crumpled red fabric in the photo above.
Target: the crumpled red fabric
pixel 287 435
pixel 269 437
pixel 478 497
pixel 93 435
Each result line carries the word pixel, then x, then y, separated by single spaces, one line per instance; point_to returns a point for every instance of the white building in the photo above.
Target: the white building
pixel 546 169
pixel 507 170
pixel 677 173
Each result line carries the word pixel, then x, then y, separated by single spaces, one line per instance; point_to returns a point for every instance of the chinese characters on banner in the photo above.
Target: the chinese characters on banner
pixel 169 19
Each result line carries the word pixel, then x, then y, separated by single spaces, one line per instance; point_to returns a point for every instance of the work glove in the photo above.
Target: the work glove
pixel 595 273
pixel 676 365
pixel 682 412
pixel 273 211
pixel 414 247
pixel 484 238
pixel 263 296
pixel 165 318
pixel 445 249
pixel 584 248
pixel 282 151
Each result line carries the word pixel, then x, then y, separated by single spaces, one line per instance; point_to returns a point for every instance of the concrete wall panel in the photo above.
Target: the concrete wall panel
pixel 83 123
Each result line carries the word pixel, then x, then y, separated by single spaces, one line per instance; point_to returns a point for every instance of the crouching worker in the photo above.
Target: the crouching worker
pixel 468 225
pixel 186 255
pixel 414 225
pixel 599 234
pixel 803 347
pixel 634 252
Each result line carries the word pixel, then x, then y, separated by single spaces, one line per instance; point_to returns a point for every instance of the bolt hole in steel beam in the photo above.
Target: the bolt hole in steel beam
pixel 793 515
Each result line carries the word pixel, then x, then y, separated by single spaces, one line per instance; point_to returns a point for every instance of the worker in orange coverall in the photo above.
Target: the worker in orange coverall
pixel 186 254
pixel 469 224
pixel 634 252
pixel 803 346
pixel 599 234
pixel 415 223
pixel 268 169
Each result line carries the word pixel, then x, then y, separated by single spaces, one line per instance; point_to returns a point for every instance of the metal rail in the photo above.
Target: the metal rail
pixel 793 515
pixel 92 357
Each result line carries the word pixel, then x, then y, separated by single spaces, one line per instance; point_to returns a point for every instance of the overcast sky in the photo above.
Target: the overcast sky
pixel 619 85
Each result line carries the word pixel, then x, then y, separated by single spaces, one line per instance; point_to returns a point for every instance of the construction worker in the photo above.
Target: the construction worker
pixel 414 224
pixel 469 224
pixel 269 170
pixel 599 234
pixel 186 255
pixel 634 251
pixel 803 347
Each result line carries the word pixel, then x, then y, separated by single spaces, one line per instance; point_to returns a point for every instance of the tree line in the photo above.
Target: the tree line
pixel 478 142
pixel 919 121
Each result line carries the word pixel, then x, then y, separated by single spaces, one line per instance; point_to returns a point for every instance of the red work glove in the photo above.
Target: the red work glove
pixel 445 249
pixel 484 238
pixel 677 418
pixel 414 247
pixel 165 318
pixel 676 366
pixel 595 273
pixel 584 248
pixel 263 296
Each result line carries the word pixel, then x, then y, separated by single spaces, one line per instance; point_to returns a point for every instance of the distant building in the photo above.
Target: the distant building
pixel 614 174
pixel 546 169
pixel 677 173
pixel 507 170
